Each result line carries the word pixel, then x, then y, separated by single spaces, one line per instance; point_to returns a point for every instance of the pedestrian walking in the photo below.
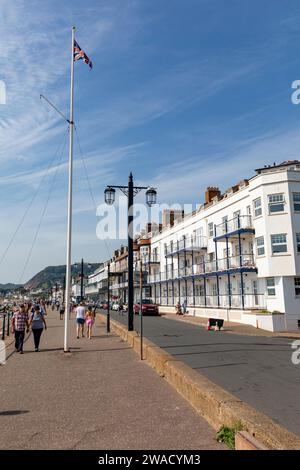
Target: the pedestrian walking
pixel 80 319
pixel 43 307
pixel 184 305
pixel 37 323
pixel 90 320
pixel 19 325
pixel 61 311
pixel 178 308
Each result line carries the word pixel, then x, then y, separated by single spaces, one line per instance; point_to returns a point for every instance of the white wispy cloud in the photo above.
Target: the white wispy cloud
pixel 35 47
pixel 178 182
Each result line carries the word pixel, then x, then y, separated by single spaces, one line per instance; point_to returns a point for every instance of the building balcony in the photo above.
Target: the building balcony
pixel 91 289
pixel 122 285
pixel 243 262
pixel 116 271
pixel 238 301
pixel 232 264
pixel 186 245
pixel 241 224
pixel 235 301
pixel 151 259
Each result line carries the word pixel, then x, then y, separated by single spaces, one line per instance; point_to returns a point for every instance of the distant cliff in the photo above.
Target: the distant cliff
pixel 47 278
pixel 10 286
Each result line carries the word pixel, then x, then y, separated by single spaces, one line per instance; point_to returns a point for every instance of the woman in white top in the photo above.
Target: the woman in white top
pixel 80 319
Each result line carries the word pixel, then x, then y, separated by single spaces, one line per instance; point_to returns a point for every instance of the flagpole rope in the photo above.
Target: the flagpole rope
pixel 44 209
pixel 108 248
pixel 12 239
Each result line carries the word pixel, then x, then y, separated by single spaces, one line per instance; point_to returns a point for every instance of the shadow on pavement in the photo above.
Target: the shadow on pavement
pixel 13 412
pixel 99 350
pixel 105 336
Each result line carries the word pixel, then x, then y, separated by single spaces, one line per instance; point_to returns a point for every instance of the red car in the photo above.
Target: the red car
pixel 148 307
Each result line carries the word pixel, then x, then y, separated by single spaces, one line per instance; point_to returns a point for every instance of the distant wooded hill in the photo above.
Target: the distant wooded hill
pixel 47 278
pixel 10 286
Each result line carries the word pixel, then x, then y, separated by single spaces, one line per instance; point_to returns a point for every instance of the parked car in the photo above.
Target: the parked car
pixel 101 304
pixel 148 307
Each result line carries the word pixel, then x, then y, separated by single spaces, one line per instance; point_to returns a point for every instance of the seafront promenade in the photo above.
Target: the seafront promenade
pixel 98 396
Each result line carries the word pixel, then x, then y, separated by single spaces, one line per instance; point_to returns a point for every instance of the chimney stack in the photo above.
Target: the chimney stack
pixel 210 193
pixel 170 215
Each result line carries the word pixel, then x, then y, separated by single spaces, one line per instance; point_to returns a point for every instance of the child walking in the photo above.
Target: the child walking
pixel 90 320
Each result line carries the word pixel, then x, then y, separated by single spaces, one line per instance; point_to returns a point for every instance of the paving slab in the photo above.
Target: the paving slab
pixel 231 327
pixel 98 396
pixel 257 369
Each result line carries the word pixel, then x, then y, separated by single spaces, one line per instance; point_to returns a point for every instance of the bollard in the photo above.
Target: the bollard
pixel 8 319
pixel 3 326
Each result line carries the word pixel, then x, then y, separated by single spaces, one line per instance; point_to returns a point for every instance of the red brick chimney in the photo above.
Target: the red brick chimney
pixel 170 215
pixel 210 193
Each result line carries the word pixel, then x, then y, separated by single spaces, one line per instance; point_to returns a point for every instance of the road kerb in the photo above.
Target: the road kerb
pixel 244 441
pixel 217 406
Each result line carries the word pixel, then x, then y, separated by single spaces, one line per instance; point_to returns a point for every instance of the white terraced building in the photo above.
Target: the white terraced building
pixel 97 283
pixel 238 256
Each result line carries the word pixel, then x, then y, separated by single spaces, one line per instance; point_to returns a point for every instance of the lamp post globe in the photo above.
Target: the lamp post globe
pixel 151 196
pixel 109 195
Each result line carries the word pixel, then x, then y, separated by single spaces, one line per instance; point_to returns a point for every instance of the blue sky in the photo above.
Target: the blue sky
pixel 185 93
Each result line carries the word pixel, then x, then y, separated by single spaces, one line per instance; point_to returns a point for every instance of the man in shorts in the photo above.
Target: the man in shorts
pixel 80 319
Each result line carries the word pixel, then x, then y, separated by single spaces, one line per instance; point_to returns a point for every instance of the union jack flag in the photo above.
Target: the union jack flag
pixel 79 54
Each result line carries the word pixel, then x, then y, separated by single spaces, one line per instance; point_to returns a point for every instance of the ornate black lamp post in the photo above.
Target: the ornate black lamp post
pixel 130 191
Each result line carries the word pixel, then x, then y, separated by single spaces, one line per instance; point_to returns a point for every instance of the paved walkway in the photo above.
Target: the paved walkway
pixel 257 369
pixel 100 396
pixel 232 327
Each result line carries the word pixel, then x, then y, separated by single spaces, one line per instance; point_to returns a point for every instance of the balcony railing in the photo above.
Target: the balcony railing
pixel 241 222
pixel 232 262
pixel 122 285
pixel 153 258
pixel 186 244
pixel 235 301
pixel 224 264
pixel 91 289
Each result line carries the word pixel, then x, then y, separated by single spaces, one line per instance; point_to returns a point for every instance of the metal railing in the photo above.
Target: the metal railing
pixel 5 319
pixel 223 264
pixel 232 262
pixel 232 225
pixel 247 301
pixel 153 258
pixel 189 244
pixel 235 301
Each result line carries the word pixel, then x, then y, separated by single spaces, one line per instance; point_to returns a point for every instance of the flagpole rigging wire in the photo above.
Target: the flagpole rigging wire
pixel 45 174
pixel 43 211
pixel 56 109
pixel 108 248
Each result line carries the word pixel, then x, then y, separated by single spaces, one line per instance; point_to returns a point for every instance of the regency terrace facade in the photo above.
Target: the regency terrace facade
pixel 236 257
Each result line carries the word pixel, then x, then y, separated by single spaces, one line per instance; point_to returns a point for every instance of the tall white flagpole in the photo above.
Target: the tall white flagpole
pixel 69 230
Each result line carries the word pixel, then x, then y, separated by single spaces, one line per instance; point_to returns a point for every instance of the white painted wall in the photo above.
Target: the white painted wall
pixel 282 266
